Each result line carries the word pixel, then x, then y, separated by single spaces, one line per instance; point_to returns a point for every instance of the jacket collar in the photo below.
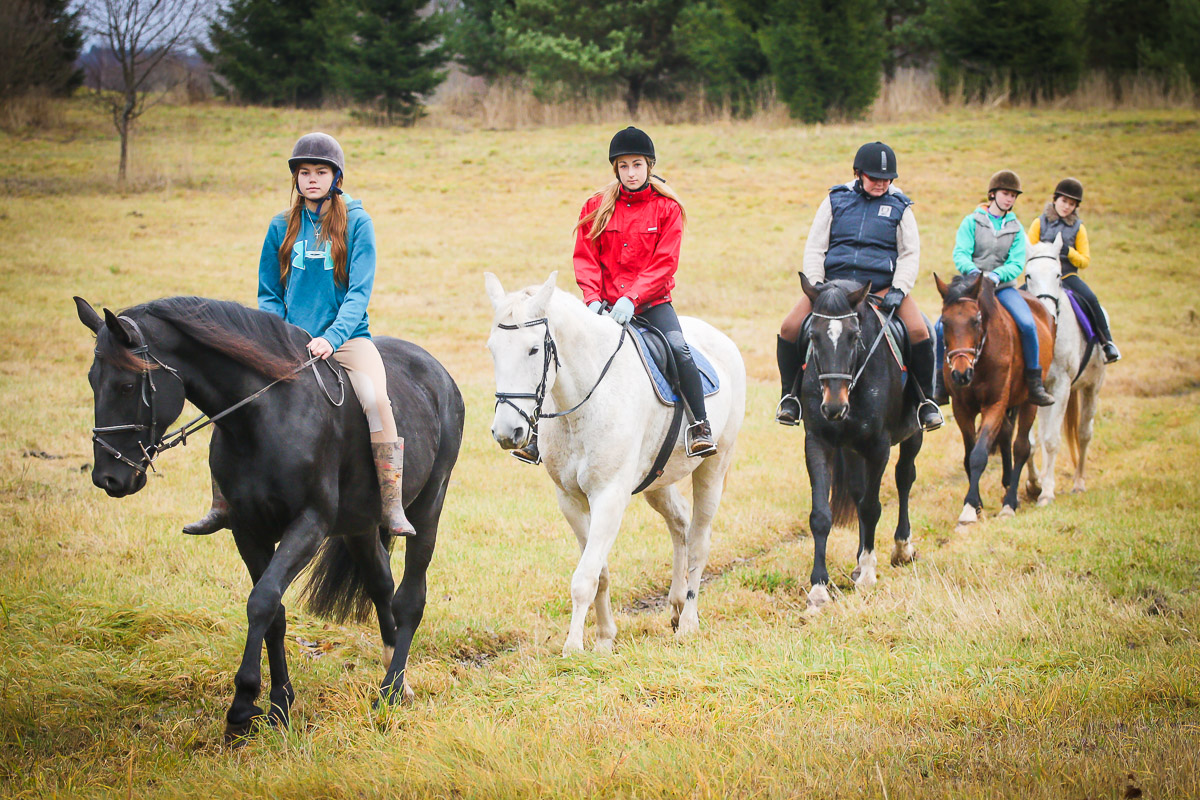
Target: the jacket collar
pixel 640 196
pixel 1052 214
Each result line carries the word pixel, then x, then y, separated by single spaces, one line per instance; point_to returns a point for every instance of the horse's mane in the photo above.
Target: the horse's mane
pixel 513 309
pixel 834 302
pixel 256 339
pixel 962 284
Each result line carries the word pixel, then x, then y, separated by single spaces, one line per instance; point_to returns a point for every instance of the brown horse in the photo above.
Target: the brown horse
pixel 984 371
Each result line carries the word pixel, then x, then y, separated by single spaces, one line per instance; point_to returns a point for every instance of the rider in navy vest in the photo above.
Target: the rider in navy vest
pixel 1061 218
pixel 865 232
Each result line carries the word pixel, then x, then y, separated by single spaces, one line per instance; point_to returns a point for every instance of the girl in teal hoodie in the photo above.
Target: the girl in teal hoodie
pixel 316 271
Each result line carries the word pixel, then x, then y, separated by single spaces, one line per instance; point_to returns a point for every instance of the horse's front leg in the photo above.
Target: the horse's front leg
pixel 991 421
pixel 873 464
pixel 1049 425
pixel 818 458
pixel 1021 451
pixel 670 504
pixel 906 475
pixel 606 510
pixel 267 621
pixel 578 513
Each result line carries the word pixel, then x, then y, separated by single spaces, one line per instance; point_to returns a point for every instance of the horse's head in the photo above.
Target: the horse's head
pixel 135 400
pixel 836 338
pixel 964 322
pixel 523 355
pixel 1043 271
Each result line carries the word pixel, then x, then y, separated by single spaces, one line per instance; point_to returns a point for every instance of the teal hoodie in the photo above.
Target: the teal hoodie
pixel 312 299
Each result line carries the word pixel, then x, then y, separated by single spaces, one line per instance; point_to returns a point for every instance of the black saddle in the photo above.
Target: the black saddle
pixel 659 351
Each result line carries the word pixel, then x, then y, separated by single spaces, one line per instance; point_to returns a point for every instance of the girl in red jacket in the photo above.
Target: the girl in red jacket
pixel 626 253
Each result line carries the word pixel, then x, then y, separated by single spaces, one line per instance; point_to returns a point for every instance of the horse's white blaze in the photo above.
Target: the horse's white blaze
pixel 968 515
pixel 835 332
pixel 866 570
pixel 598 455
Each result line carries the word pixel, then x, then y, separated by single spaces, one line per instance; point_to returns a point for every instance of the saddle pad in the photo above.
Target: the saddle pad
pixel 1085 322
pixel 662 387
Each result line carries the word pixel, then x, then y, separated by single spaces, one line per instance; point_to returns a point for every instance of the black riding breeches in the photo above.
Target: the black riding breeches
pixel 664 318
pixel 1088 298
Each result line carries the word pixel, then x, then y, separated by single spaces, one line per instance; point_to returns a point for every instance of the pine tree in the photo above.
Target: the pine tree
pixel 395 58
pixel 40 41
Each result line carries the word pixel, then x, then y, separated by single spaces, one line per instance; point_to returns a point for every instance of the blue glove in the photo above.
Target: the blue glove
pixel 594 306
pixel 622 311
pixel 892 300
pixel 993 277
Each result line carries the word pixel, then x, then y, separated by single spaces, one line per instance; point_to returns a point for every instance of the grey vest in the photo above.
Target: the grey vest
pixel 1052 228
pixel 992 246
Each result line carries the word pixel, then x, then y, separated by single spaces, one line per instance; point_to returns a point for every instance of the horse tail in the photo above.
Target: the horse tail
pixel 337 581
pixel 841 500
pixel 1071 426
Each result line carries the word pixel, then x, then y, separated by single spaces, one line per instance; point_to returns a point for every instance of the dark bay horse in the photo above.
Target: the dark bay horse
pixel 855 409
pixel 295 467
pixel 984 372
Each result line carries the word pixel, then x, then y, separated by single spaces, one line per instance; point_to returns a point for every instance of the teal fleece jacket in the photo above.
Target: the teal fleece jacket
pixel 312 299
pixel 964 248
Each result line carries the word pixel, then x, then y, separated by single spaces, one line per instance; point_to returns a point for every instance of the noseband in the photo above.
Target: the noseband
pixel 549 354
pixel 179 436
pixel 845 376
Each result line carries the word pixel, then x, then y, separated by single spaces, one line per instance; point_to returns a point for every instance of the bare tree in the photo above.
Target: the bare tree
pixel 143 36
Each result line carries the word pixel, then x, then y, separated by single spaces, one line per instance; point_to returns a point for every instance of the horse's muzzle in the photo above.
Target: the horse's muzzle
pixel 117 487
pixel 835 411
pixel 511 440
pixel 963 378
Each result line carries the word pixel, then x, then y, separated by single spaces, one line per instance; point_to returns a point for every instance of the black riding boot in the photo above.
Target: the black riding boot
pixel 216 518
pixel 787 354
pixel 1037 392
pixel 922 371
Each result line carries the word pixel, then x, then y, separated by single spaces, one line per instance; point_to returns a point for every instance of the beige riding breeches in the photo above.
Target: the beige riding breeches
pixel 361 360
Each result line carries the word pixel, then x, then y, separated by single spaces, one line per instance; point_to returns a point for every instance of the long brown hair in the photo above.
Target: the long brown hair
pixel 333 230
pixel 601 214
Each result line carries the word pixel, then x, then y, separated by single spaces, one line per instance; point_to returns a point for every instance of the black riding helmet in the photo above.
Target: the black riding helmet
pixel 1069 187
pixel 877 161
pixel 630 142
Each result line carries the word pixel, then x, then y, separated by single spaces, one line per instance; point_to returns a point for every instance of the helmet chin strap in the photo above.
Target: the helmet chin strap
pixel 334 189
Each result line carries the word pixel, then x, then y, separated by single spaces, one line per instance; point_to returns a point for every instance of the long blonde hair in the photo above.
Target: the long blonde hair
pixel 333 230
pixel 601 214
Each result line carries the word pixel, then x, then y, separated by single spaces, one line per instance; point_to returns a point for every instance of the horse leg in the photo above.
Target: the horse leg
pixel 408 604
pixel 1050 421
pixel 869 508
pixel 1033 479
pixel 1088 400
pixel 607 508
pixel 966 427
pixel 670 504
pixel 267 621
pixel 708 482
pixel 991 422
pixel 374 563
pixel 576 510
pixel 818 460
pixel 1004 441
pixel 1021 450
pixel 906 475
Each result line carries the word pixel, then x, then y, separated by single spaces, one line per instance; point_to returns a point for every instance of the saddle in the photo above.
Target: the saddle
pixel 659 362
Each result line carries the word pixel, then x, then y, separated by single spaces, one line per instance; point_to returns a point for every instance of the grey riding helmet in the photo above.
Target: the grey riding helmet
pixel 317 148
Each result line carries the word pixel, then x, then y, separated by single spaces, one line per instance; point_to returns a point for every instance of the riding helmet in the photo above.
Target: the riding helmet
pixel 877 160
pixel 630 142
pixel 317 148
pixel 1069 187
pixel 1004 179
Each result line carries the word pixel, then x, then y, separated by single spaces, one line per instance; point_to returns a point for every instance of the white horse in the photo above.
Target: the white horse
pixel 546 341
pixel 1076 394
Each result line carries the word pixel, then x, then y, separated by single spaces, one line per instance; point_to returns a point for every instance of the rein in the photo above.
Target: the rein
pixel 550 353
pixel 179 436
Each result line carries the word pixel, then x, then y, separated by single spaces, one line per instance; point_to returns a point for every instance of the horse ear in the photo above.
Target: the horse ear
pixel 807 286
pixel 973 292
pixel 942 286
pixel 858 295
pixel 119 328
pixel 495 291
pixel 88 315
pixel 541 300
pixel 1058 241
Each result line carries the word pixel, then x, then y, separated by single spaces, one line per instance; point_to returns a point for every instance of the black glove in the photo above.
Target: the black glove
pixel 892 300
pixel 1066 250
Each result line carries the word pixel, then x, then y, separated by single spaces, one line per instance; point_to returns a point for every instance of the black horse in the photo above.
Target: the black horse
pixel 855 408
pixel 295 467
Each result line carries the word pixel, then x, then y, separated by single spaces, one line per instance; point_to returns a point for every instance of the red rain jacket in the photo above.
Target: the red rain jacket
pixel 637 253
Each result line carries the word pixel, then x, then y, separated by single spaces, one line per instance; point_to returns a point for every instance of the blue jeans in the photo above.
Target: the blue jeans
pixel 1026 326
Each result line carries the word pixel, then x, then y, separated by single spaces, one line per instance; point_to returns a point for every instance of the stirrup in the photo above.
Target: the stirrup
pixel 930 426
pixel 791 423
pixel 528 454
pixel 696 447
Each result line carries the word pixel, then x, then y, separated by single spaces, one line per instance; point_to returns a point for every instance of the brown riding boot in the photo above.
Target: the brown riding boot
pixel 216 518
pixel 389 466
pixel 699 440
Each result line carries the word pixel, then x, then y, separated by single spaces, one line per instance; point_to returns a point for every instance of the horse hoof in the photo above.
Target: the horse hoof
pixel 1007 511
pixel 1078 489
pixel 818 596
pixel 969 515
pixel 689 625
pixel 963 527
pixel 571 648
pixel 854 576
pixel 391 697
pixel 903 553
pixel 1045 501
pixel 866 582
pixel 238 734
pixel 603 646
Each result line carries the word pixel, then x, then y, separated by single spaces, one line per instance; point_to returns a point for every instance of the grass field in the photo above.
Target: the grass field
pixel 1053 655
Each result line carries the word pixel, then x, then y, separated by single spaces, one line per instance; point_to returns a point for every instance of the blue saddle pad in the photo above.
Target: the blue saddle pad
pixel 662 387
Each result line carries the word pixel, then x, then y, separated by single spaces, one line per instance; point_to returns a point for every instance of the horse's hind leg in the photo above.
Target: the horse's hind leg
pixel 1021 449
pixel 906 475
pixel 606 510
pixel 272 573
pixel 1088 400
pixel 1049 424
pixel 374 563
pixel 670 503
pixel 708 482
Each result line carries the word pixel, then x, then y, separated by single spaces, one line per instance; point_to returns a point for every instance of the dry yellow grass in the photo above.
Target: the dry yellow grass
pixel 1052 655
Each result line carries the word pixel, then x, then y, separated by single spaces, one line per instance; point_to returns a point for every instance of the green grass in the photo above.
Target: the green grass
pixel 1053 655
